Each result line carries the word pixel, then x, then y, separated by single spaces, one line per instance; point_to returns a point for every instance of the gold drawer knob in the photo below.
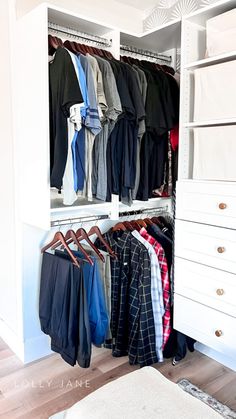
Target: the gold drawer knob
pixel 218 333
pixel 222 206
pixel 220 291
pixel 220 249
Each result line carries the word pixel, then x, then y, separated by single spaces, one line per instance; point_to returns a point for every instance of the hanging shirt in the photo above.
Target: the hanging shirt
pixel 114 109
pixel 98 84
pixel 132 322
pixel 82 83
pixel 92 118
pixel 92 123
pixel 64 92
pixel 157 294
pixel 69 195
pixel 165 282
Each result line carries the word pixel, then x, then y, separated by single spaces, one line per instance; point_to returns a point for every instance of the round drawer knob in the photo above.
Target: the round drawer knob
pixel 220 291
pixel 222 206
pixel 220 249
pixel 218 333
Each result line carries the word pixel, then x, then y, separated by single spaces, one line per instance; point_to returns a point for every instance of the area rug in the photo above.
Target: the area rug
pixel 220 408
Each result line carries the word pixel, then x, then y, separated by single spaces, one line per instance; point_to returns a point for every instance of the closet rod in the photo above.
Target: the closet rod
pixel 159 210
pixel 80 35
pixel 67 221
pixel 147 53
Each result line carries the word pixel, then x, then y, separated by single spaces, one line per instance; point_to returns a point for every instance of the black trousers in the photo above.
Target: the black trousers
pixel 63 310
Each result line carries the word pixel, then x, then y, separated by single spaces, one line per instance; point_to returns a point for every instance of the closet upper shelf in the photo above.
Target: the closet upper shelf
pixel 64 18
pixel 161 39
pixel 200 16
pixel 211 61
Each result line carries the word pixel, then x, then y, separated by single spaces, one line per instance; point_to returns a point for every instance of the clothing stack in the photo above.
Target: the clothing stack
pixel 109 127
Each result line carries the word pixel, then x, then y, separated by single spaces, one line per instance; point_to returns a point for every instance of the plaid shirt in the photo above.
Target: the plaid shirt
pixel 132 322
pixel 165 282
pixel 156 293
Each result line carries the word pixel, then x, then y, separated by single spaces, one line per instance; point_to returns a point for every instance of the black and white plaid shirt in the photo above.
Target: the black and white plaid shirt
pixel 132 323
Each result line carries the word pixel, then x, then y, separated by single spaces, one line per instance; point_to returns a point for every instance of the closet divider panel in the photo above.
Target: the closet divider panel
pixel 32 125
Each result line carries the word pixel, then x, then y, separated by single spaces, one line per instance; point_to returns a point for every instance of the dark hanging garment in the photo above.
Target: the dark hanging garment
pixel 122 143
pixel 162 111
pixel 64 91
pixel 63 310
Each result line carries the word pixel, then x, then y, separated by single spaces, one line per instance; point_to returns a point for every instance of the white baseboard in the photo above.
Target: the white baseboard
pixel 36 348
pixel 217 356
pixel 12 340
pixel 28 350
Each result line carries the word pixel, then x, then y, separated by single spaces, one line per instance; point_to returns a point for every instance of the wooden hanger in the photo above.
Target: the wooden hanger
pixel 81 234
pixel 96 230
pixel 71 237
pixel 142 223
pixel 53 44
pixel 156 221
pixel 81 48
pixel 119 226
pixel 59 238
pixel 128 225
pixel 135 225
pixel 70 45
pixel 148 221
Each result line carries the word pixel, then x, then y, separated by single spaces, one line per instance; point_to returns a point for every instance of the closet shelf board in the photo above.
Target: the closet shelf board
pixel 230 56
pixel 201 15
pixel 212 122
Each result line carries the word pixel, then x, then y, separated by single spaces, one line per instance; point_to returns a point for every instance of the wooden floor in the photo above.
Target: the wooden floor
pixel 42 388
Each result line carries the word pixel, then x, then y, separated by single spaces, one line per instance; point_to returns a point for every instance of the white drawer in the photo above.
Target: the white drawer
pixel 204 244
pixel 204 324
pixel 212 287
pixel 207 202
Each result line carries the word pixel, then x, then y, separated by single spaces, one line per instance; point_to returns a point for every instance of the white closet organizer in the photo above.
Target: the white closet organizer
pixel 205 247
pixel 36 213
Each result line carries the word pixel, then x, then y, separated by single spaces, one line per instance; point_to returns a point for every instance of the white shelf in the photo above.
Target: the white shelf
pixel 212 122
pixel 230 56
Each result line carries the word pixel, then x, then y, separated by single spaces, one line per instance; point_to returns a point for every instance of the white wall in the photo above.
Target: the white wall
pixel 110 12
pixel 8 286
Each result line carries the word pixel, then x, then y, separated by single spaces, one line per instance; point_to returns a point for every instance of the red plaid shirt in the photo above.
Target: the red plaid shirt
pixel 165 282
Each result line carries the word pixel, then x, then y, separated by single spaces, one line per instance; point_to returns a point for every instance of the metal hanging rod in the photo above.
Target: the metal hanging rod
pixel 79 35
pixel 147 53
pixel 159 210
pixel 68 221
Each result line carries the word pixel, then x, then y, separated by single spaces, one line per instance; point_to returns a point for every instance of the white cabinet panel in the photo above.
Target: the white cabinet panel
pixel 210 327
pixel 32 124
pixel 212 246
pixel 205 285
pixel 207 202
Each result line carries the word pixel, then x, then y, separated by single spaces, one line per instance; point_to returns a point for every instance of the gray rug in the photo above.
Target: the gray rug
pixel 220 408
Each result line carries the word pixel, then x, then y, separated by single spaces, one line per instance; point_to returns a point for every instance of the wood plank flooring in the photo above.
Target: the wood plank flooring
pixel 42 388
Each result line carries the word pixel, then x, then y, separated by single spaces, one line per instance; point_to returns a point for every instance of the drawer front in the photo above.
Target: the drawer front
pixel 211 246
pixel 212 287
pixel 208 326
pixel 212 203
